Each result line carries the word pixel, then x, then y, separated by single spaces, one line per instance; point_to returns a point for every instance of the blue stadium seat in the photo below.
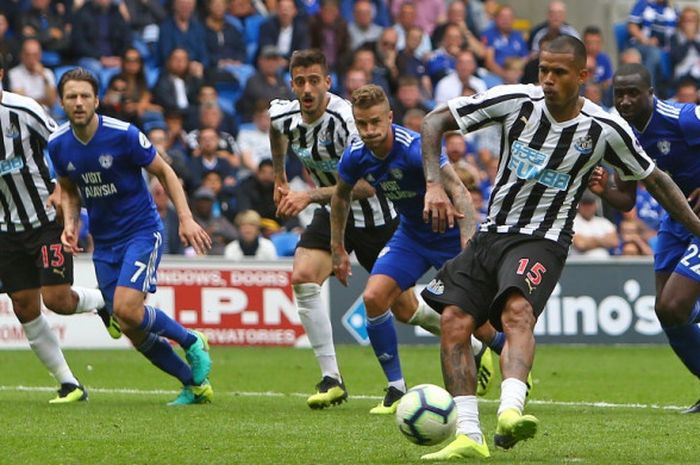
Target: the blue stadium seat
pixel 622 36
pixel 105 75
pixel 285 243
pixel 60 71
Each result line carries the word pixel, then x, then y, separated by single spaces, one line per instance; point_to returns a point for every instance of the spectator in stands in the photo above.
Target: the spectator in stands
pixel 513 70
pixel 532 67
pixel 250 245
pixel 183 30
pixel 225 43
pixel 503 42
pixel 442 61
pixel 594 93
pixel 210 156
pixel 177 136
pixel 157 133
pixel 171 224
pixel 686 92
pixel 31 78
pixel 117 104
pixel 594 236
pixel 256 192
pixel 211 117
pixel 137 90
pixel 266 84
pixel 555 25
pixel 457 14
pixel 285 30
pixel 413 119
pixel 219 229
pixel 386 52
pixel 451 85
pixel 50 28
pixel 226 204
pixel 631 241
pixel 405 18
pixel 408 64
pixel 408 97
pixel 630 55
pixel 651 24
pixel 145 17
pixel 9 47
pixel 362 29
pixel 177 87
pixel 354 79
pixel 602 65
pixel 428 13
pixel 329 33
pixel 99 36
pixel 247 18
pixel 685 46
pixel 365 59
pixel 254 141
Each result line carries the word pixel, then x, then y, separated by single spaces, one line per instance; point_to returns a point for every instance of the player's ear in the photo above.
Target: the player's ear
pixel 391 116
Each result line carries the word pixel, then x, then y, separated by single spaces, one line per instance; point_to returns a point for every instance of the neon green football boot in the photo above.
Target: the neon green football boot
pixel 191 395
pixel 70 393
pixel 514 427
pixel 390 402
pixel 461 447
pixel 197 356
pixel 329 392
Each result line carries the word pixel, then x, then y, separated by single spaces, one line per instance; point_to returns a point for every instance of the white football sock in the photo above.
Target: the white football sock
pixel 399 384
pixel 88 299
pixel 477 345
pixel 468 417
pixel 317 324
pixel 513 392
pixel 426 318
pixel 44 343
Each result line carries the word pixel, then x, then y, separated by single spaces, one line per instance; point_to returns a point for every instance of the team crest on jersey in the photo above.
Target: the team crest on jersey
pixel 12 131
pixel 436 287
pixel 143 140
pixel 397 173
pixel 584 145
pixel 664 146
pixel 106 161
pixel 326 139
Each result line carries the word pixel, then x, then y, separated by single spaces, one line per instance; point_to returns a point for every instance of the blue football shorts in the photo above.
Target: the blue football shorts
pixel 677 250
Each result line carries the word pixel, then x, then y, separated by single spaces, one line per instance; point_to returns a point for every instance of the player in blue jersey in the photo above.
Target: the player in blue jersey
pixel 388 157
pixel 670 134
pixel 101 159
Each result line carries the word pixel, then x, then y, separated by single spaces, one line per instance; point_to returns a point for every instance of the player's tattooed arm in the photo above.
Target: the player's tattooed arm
pixel 668 194
pixel 340 207
pixel 462 202
pixel 437 206
pixel 278 147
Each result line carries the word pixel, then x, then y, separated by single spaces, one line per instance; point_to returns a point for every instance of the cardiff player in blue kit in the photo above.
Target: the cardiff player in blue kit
pixel 100 159
pixel 388 157
pixel 670 134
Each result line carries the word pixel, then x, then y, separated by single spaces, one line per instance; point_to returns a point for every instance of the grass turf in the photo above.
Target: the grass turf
pixel 596 405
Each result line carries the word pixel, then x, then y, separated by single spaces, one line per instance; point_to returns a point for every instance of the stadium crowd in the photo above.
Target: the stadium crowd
pixel 198 78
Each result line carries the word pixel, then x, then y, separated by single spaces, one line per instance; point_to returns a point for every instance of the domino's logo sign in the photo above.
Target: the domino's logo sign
pixel 355 321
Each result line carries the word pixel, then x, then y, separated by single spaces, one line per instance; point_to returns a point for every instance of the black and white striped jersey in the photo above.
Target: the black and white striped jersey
pixel 320 145
pixel 25 179
pixel 545 165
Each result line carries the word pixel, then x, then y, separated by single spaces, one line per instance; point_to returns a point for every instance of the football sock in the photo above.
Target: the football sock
pixel 426 318
pixel 161 354
pixel 513 392
pixel 496 344
pixel 158 322
pixel 695 314
pixel 477 345
pixel 468 417
pixel 44 343
pixel 317 324
pixel 685 341
pixel 88 299
pixel 382 336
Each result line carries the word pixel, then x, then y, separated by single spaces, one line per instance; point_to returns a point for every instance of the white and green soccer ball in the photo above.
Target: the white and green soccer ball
pixel 427 415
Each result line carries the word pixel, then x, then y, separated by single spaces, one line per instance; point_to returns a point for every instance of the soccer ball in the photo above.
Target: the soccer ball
pixel 427 415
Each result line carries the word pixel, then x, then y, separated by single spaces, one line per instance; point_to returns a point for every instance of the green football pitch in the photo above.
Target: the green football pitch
pixel 596 405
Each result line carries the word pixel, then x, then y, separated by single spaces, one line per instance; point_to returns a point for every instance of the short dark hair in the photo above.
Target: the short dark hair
pixel 368 96
pixel 265 162
pixel 594 30
pixel 306 58
pixel 78 74
pixel 568 44
pixel 630 69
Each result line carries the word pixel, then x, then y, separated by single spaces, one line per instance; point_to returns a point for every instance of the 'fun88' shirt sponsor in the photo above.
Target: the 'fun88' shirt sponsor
pixel 399 177
pixel 107 170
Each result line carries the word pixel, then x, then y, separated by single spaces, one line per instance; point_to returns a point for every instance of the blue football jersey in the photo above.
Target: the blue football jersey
pixel 399 176
pixel 107 170
pixel 672 139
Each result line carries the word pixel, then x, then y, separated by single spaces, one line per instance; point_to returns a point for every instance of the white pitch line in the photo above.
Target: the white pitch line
pixel 152 392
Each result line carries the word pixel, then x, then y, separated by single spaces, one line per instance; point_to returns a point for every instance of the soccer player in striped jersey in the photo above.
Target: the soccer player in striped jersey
pixel 552 141
pixel 670 134
pixel 101 159
pixel 33 263
pixel 388 157
pixel 318 126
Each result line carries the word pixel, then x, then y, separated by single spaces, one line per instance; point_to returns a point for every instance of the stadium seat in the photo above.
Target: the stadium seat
pixel 622 36
pixel 285 243
pixel 60 71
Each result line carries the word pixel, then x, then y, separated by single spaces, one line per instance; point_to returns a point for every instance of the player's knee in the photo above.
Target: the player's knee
pixel 302 277
pixel 127 314
pixel 455 324
pixel 375 302
pixel 61 303
pixel 672 310
pixel 25 309
pixel 517 314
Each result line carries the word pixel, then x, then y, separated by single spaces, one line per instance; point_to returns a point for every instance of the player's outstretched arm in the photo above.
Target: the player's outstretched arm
pixel 668 194
pixel 293 202
pixel 620 194
pixel 465 212
pixel 70 204
pixel 278 147
pixel 340 207
pixel 437 206
pixel 190 232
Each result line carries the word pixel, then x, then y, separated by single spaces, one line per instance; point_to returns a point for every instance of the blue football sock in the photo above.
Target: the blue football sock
pixel 382 335
pixel 156 321
pixel 161 354
pixel 497 342
pixel 685 341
